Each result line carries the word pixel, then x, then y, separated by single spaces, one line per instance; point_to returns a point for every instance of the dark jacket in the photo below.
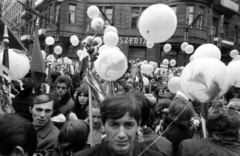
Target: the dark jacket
pixel 21 106
pixel 81 112
pixel 162 144
pixel 176 134
pixel 47 137
pixel 103 150
pixel 208 147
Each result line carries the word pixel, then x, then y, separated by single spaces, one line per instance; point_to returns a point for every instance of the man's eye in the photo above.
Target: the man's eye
pixel 129 125
pixel 114 124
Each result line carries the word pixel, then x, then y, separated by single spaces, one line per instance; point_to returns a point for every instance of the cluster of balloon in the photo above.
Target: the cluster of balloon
pixel 233 72
pixel 157 32
pixel 234 53
pixel 93 13
pixel 154 64
pixel 149 44
pixel 19 64
pixel 43 54
pixel 110 37
pixel 207 50
pixel 58 50
pixel 174 84
pixel 111 64
pixel 167 47
pixel 147 69
pixel 189 49
pixel 145 81
pixel 205 78
pixel 74 40
pixel 173 62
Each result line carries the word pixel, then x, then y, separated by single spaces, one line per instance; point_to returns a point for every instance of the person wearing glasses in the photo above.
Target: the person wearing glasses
pixel 63 100
pixel 47 133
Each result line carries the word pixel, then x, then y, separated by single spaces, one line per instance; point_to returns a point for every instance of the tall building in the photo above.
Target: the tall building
pixel 199 22
pixel 11 15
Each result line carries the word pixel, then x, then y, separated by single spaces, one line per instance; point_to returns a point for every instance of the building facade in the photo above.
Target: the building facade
pixel 11 15
pixel 200 19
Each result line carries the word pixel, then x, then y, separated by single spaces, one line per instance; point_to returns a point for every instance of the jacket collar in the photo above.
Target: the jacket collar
pixel 44 131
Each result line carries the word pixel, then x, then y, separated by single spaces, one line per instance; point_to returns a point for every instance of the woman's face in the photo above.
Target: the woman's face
pixel 82 99
pixel 121 134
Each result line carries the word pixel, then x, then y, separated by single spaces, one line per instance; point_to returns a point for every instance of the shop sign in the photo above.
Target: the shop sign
pixel 139 41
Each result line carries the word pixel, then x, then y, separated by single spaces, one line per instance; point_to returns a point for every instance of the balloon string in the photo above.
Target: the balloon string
pixel 163 132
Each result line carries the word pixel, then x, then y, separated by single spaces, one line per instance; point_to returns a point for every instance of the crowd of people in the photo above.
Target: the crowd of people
pixel 137 120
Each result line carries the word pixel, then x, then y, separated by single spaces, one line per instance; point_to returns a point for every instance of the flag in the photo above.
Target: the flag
pixel 38 73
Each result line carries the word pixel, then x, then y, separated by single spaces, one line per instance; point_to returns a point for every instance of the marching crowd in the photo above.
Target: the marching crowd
pixel 136 120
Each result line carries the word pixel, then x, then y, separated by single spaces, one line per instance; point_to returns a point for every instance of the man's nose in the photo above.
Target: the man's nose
pixel 42 114
pixel 122 133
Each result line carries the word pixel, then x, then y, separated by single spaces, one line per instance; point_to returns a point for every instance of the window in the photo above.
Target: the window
pixel 57 11
pixel 109 13
pixel 137 53
pixel 174 8
pixel 135 15
pixel 199 22
pixel 215 25
pixel 237 36
pixel 50 12
pixel 225 30
pixel 190 13
pixel 72 10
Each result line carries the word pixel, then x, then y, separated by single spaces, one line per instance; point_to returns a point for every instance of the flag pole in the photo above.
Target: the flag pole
pixel 90 104
pixel 6 44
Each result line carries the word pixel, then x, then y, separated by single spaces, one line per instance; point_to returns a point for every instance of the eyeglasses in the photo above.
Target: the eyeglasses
pixel 61 87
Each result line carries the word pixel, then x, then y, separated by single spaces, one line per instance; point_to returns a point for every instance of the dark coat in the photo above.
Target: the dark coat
pixel 207 147
pixel 176 134
pixel 47 137
pixel 162 144
pixel 103 150
pixel 21 106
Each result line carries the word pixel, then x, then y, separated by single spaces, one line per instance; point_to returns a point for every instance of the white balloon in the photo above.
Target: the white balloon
pixel 189 49
pixel 19 64
pixel 174 84
pixel 58 50
pixel 50 58
pixel 145 81
pixel 97 23
pixel 43 54
pixel 110 39
pixel 234 73
pixel 165 61
pixel 173 62
pixel 184 45
pixel 99 41
pixel 191 57
pixel 157 23
pixel 167 47
pixel 49 40
pixel 207 50
pixel 59 61
pixel 149 44
pixel 93 12
pixel 234 53
pixel 74 40
pixel 101 48
pixel 85 54
pixel 110 28
pixel 79 53
pixel 145 62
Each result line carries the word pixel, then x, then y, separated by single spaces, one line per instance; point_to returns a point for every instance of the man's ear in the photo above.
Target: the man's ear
pixel 17 151
pixel 30 110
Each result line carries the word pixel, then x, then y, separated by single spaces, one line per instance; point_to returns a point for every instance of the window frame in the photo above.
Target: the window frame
pixel 70 12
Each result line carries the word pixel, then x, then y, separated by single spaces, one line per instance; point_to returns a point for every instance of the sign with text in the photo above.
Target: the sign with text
pixel 137 41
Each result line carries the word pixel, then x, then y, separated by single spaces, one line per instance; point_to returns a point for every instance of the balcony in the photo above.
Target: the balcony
pixel 25 38
pixel 26 15
pixel 39 5
pixel 227 7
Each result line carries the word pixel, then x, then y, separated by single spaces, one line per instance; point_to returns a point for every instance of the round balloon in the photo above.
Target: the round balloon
pixel 184 45
pixel 234 53
pixel 145 62
pixel 161 31
pixel 145 81
pixel 110 39
pixel 102 47
pixel 205 78
pixel 173 62
pixel 19 64
pixel 149 44
pixel 111 64
pixel 234 73
pixel 74 40
pixel 59 61
pixel 111 28
pixel 191 57
pixel 49 40
pixel 50 58
pixel 43 54
pixel 99 41
pixel 79 53
pixel 174 84
pixel 165 61
pixel 167 47
pixel 97 23
pixel 93 12
pixel 58 50
pixel 207 50
pixel 189 49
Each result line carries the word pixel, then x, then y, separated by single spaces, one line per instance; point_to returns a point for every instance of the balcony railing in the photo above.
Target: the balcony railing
pixel 226 6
